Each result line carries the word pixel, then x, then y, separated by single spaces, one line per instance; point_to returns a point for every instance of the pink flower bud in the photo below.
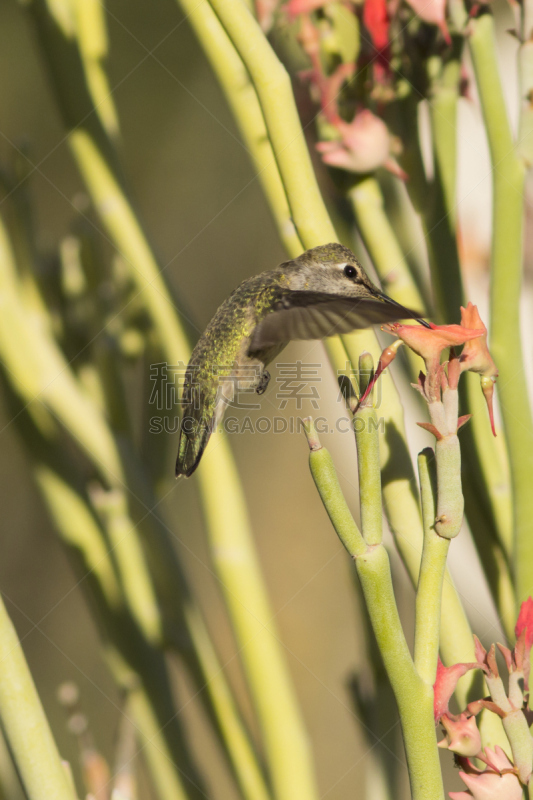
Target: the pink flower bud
pixel 432 12
pixel 296 7
pixel 462 734
pixel 496 782
pixel 387 356
pixel 363 147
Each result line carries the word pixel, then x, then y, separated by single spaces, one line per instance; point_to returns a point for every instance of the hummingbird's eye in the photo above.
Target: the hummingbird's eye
pixel 350 271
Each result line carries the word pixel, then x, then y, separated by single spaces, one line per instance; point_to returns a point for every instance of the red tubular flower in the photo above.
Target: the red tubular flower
pixel 524 635
pixel 376 19
pixel 525 622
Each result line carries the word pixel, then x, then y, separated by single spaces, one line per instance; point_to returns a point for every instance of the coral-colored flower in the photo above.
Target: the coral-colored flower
pixel 496 782
pixel 445 684
pixel 430 342
pixel 432 11
pixel 462 734
pixel 476 358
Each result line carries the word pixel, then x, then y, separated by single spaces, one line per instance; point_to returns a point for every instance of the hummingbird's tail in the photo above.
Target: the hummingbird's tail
pixel 193 440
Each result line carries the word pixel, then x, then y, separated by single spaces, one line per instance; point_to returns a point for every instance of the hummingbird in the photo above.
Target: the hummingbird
pixel 323 292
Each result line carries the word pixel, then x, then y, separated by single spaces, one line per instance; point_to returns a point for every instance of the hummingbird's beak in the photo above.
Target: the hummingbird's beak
pixel 409 314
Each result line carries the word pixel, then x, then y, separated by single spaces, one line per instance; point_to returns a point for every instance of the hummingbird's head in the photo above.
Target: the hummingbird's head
pixel 331 268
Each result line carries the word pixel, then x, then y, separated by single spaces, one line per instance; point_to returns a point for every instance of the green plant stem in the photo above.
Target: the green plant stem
pixel 381 242
pixel 430 580
pixel 493 462
pixel 401 503
pixel 25 725
pixel 450 503
pixel 508 172
pixel 413 696
pixel 169 778
pixel 39 370
pixel 242 98
pixel 408 229
pixel 384 249
pixel 367 441
pixel 327 484
pixel 273 86
pixel 243 758
pixel 235 561
pixel 484 475
pixel 80 531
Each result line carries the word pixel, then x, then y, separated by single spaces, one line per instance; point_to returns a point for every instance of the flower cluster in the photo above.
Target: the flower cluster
pixel 501 778
pixel 429 343
pixel 355 50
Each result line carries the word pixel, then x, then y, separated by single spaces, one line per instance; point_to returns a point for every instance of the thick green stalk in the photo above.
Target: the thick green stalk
pixel 85 540
pixel 508 172
pixel 413 696
pixel 243 758
pixel 169 779
pixel 38 369
pixel 25 725
pixel 236 564
pixel 242 98
pixel 380 240
pixel 430 580
pixel 407 227
pixel 401 503
pixel 384 249
pixel 327 484
pixel 367 442
pixel 484 475
pixel 273 86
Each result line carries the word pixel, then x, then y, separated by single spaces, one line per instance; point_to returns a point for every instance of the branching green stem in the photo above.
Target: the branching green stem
pixel 242 98
pixel 413 696
pixel 273 86
pixel 506 285
pixel 432 568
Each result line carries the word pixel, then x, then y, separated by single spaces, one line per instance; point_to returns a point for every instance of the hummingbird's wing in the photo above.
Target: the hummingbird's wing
pixel 316 315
